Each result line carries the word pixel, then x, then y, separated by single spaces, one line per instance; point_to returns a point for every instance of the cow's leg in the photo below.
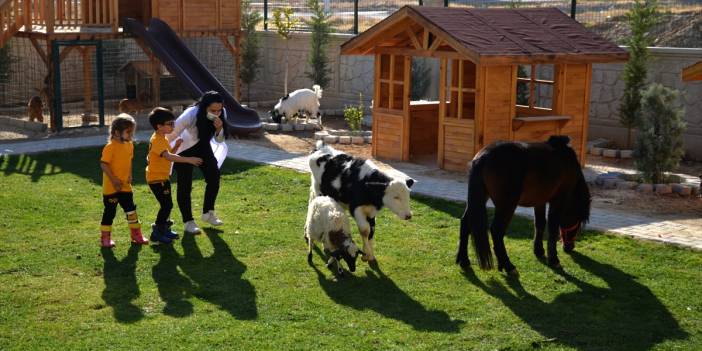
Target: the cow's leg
pixel 371 237
pixel 309 249
pixel 365 229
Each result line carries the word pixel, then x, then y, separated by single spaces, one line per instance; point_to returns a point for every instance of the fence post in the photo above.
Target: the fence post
pixel 265 14
pixel 355 16
pixel 573 6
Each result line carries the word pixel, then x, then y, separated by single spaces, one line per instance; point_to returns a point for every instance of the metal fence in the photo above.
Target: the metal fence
pixel 602 16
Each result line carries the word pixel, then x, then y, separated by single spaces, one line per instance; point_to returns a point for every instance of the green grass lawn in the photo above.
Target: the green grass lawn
pixel 248 285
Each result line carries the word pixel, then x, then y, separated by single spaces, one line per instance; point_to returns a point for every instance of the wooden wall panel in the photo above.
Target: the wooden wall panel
pixel 458 145
pixel 168 11
pixel 230 14
pixel 206 20
pixel 387 135
pixel 496 110
pixel 424 129
pixel 576 92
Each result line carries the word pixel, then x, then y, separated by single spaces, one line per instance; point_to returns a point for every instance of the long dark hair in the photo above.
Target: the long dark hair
pixel 205 128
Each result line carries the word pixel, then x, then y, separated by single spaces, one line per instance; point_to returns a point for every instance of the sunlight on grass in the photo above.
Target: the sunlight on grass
pixel 247 285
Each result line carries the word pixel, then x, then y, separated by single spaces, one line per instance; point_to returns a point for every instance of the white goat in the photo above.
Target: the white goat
pixel 297 102
pixel 327 222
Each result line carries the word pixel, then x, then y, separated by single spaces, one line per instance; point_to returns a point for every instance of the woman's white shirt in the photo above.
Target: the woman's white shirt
pixel 186 128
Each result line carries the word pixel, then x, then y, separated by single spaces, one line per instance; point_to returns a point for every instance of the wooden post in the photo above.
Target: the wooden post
pixel 114 12
pixel 376 103
pixel 49 16
pixel 407 83
pixel 49 84
pixel 442 111
pixel 27 12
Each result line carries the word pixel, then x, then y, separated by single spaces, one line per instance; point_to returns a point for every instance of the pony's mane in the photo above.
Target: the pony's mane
pixel 559 141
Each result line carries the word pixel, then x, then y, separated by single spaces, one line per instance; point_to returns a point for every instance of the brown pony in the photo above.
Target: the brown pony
pixel 524 174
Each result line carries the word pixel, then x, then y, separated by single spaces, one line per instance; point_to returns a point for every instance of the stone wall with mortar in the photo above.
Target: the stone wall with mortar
pixel 664 67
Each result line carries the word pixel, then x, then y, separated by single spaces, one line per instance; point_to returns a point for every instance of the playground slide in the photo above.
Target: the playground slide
pixel 197 79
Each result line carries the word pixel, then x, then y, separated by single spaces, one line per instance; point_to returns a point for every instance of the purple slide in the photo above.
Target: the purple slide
pixel 196 79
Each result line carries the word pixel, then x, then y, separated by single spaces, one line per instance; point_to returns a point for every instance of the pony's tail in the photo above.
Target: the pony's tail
pixel 477 215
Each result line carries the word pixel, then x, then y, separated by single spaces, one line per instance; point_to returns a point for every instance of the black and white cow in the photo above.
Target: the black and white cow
pixel 359 185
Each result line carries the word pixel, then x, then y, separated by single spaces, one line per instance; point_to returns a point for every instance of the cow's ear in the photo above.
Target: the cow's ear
pixel 409 182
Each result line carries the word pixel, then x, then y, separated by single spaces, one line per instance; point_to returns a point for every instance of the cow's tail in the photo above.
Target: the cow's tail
pixel 317 91
pixel 477 215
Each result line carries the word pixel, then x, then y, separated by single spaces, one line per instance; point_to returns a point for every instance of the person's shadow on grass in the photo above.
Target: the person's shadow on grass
pixel 173 287
pixel 379 293
pixel 121 284
pixel 625 315
pixel 217 278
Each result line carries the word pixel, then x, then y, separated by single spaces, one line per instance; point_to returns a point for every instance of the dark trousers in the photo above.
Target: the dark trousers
pixel 184 172
pixel 126 200
pixel 162 191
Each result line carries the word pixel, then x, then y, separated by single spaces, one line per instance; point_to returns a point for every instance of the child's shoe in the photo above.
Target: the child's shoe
pixel 106 238
pixel 158 236
pixel 191 227
pixel 169 233
pixel 137 237
pixel 211 218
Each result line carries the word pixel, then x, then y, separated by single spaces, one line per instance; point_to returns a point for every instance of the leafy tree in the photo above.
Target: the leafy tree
pixel 641 18
pixel 250 48
pixel 321 26
pixel 659 143
pixel 284 23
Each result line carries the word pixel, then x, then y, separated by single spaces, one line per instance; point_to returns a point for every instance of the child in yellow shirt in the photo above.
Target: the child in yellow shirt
pixel 160 159
pixel 116 164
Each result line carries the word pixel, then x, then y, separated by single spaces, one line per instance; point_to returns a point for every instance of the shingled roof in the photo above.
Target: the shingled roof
pixel 496 35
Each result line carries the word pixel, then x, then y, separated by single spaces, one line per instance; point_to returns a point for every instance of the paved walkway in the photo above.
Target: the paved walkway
pixel 647 228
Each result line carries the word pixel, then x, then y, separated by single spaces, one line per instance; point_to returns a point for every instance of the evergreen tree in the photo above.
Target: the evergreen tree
pixel 641 18
pixel 659 144
pixel 284 23
pixel 250 48
pixel 321 26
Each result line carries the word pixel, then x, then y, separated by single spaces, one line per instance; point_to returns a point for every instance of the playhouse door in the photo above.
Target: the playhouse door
pixel 457 97
pixel 391 106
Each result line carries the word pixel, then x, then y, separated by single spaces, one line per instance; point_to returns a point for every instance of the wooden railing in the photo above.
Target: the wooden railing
pixel 11 19
pixel 72 13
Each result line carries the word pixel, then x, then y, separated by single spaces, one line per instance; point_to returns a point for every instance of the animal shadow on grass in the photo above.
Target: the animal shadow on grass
pixel 121 284
pixel 379 293
pixel 173 287
pixel 217 278
pixel 625 313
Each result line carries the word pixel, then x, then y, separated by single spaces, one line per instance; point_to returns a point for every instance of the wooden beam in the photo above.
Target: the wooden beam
pixel 65 52
pixel 407 78
pixel 502 60
pixel 586 117
pixel 435 45
pixel 426 35
pixel 442 111
pixel 418 53
pixel 228 45
pixel 376 103
pixel 413 38
pixel 39 50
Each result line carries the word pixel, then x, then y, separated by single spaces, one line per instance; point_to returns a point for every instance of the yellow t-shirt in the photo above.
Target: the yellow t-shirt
pixel 119 158
pixel 158 169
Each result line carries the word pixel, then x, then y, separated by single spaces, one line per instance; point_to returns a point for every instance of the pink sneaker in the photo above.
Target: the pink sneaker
pixel 106 240
pixel 137 238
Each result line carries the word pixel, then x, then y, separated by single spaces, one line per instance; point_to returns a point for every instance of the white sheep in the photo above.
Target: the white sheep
pixel 297 102
pixel 328 223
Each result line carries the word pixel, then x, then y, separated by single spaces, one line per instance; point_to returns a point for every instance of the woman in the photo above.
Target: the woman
pixel 197 125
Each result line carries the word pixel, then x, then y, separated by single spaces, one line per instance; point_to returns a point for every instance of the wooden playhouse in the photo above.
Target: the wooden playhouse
pixel 505 74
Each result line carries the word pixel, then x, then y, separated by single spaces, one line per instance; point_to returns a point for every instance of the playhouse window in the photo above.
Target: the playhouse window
pixel 535 86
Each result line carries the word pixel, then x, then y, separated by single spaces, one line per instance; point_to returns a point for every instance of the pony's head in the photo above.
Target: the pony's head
pixel 576 214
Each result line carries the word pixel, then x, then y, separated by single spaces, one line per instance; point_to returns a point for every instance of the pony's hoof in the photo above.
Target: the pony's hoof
pixel 309 258
pixel 555 264
pixel 569 248
pixel 514 273
pixel 463 262
pixel 539 253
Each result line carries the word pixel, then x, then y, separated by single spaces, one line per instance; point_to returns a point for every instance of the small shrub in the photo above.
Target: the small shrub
pixel 354 114
pixel 659 144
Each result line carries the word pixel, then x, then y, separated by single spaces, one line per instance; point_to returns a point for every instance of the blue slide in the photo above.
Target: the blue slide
pixel 196 79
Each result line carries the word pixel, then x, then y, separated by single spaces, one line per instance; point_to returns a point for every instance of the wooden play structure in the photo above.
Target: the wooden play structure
pixel 505 74
pixel 692 72
pixel 80 26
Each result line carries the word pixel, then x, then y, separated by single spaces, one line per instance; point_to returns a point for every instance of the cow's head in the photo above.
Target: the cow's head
pixel 396 197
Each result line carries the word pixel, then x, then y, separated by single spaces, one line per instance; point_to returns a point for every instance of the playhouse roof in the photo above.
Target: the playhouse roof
pixel 692 72
pixel 494 36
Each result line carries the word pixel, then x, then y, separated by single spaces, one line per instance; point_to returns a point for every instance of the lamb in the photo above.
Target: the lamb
pixel 297 102
pixel 327 222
